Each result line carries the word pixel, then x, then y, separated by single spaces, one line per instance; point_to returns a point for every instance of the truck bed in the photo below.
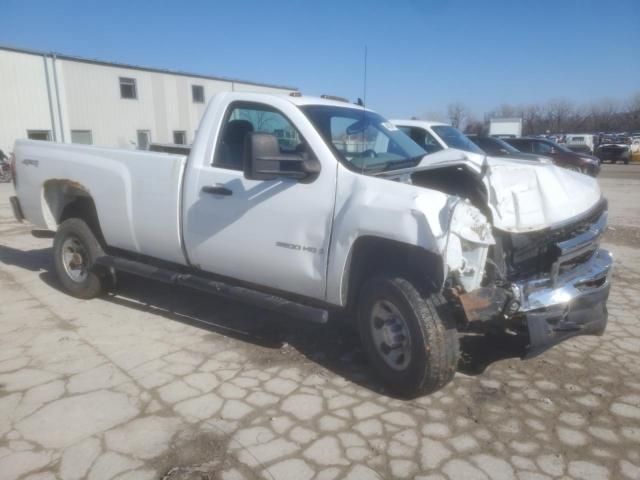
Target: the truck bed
pixel 136 193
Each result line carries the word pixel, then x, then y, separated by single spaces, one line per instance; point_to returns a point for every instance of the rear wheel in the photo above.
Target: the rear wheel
pixel 409 338
pixel 75 250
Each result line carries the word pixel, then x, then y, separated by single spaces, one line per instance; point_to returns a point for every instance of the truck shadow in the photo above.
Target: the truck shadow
pixel 335 346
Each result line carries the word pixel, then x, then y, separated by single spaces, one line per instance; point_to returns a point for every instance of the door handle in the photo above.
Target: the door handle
pixel 216 190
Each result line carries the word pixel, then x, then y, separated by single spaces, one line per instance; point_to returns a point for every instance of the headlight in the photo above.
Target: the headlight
pixel 468 242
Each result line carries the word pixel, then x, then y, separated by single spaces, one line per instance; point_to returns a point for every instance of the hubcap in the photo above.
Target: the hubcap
pixel 75 259
pixel 391 335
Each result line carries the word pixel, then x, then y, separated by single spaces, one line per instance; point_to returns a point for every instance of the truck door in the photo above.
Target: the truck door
pixel 272 233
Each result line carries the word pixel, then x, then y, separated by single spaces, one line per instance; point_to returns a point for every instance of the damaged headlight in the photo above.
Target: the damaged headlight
pixel 467 245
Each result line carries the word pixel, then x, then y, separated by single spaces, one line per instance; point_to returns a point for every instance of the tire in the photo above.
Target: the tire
pixel 75 249
pixel 433 348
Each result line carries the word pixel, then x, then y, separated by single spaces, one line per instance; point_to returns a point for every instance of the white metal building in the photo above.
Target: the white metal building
pixel 58 97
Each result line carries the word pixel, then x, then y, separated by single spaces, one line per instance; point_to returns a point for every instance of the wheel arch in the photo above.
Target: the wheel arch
pixel 370 255
pixel 63 199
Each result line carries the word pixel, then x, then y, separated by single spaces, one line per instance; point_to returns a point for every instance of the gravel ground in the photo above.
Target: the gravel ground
pixel 156 382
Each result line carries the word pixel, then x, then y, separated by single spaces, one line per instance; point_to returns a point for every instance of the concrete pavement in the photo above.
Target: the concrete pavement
pixel 152 381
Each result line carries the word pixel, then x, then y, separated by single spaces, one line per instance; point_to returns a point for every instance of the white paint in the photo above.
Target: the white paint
pixel 142 206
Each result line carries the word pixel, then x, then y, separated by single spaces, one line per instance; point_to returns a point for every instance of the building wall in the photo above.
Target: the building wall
pixel 24 102
pixel 89 98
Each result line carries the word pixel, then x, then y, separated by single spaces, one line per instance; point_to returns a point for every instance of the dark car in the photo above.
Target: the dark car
pixel 561 155
pixel 498 147
pixel 614 148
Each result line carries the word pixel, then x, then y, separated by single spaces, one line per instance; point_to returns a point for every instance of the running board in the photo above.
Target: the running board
pixel 246 295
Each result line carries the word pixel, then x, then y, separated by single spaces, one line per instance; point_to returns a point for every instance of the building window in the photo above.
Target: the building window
pixel 83 137
pixel 179 137
pixel 144 139
pixel 197 92
pixel 39 135
pixel 128 88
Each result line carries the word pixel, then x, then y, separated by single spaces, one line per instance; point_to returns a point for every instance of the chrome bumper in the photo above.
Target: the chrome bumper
pixel 567 304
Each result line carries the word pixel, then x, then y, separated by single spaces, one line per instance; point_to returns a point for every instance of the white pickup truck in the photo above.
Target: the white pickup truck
pixel 310 205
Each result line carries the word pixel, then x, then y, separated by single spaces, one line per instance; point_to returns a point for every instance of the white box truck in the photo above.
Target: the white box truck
pixel 505 127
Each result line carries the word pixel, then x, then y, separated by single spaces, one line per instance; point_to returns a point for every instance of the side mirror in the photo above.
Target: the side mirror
pixel 264 161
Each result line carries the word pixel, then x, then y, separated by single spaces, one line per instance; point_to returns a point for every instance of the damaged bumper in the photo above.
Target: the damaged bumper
pixel 570 304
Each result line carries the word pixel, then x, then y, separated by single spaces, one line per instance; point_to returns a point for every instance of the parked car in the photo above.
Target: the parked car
pixel 415 248
pixel 497 147
pixel 436 136
pixel 578 148
pixel 614 148
pixel 581 142
pixel 635 146
pixel 561 155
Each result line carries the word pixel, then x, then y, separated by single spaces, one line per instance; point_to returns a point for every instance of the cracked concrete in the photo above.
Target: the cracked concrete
pixel 152 382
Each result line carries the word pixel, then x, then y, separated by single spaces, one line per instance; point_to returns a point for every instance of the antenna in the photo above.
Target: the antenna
pixel 364 103
pixel 364 94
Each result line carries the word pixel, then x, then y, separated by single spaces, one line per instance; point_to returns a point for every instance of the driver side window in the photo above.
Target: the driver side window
pixel 243 119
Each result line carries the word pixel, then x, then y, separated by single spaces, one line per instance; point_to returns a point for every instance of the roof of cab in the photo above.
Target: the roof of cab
pixel 418 123
pixel 302 100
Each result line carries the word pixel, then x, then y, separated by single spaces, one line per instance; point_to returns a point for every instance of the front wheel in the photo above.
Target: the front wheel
pixel 75 250
pixel 409 338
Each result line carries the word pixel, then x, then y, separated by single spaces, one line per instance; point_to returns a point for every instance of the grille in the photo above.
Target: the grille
pixel 532 255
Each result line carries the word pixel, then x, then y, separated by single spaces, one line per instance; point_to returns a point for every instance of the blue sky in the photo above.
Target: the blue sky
pixel 422 55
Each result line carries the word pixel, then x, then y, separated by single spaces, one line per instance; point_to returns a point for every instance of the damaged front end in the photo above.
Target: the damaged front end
pixel 550 285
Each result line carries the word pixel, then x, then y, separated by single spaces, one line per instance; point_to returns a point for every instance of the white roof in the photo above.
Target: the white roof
pixel 310 100
pixel 419 123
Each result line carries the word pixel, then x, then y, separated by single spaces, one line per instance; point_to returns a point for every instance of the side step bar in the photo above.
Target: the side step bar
pixel 246 295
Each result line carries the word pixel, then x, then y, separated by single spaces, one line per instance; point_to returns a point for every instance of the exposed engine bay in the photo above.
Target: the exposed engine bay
pixel 502 279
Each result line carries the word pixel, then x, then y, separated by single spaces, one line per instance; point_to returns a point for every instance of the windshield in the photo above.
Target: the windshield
pixel 494 146
pixel 364 140
pixel 454 138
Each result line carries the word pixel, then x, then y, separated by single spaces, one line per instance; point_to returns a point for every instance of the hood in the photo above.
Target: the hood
pixel 532 157
pixel 523 195
pixel 526 197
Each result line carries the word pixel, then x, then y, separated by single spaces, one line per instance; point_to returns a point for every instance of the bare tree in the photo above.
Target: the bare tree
pixel 475 126
pixel 457 114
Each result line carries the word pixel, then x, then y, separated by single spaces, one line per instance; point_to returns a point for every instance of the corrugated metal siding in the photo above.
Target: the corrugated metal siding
pixel 24 103
pixel 90 100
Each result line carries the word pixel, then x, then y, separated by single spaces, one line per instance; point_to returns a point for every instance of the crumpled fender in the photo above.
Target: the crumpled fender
pixel 377 207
